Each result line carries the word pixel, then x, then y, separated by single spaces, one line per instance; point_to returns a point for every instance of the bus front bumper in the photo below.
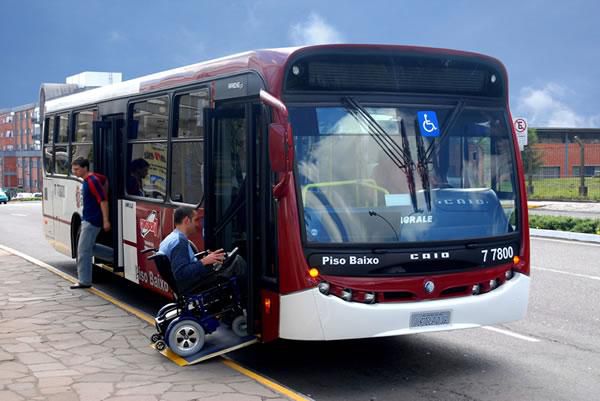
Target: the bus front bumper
pixel 310 315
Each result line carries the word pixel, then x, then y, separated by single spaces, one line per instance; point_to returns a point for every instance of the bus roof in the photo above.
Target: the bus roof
pixel 269 63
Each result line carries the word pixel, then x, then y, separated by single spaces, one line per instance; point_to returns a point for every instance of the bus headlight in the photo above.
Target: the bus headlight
pixel 324 287
pixel 369 297
pixel 508 274
pixel 347 294
pixel 493 284
pixel 476 289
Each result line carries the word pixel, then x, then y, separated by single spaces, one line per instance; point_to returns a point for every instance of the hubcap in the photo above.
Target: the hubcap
pixel 186 337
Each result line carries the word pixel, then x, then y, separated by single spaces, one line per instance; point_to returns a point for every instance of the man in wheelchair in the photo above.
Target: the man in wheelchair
pixel 190 273
pixel 208 291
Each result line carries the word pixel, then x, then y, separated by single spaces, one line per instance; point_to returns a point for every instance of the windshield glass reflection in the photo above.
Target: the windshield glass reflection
pixel 354 189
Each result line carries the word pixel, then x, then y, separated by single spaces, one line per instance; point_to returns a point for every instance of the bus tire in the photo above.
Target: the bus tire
pixel 75 234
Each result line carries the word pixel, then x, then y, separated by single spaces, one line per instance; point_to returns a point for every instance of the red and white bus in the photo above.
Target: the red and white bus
pixel 373 190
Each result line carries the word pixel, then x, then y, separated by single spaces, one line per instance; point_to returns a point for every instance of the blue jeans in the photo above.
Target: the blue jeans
pixel 87 240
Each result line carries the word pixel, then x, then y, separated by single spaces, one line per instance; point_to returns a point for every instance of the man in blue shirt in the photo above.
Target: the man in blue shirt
pixel 94 217
pixel 189 272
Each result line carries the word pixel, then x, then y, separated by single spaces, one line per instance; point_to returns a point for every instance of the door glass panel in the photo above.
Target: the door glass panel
pixel 85 151
pixel 230 173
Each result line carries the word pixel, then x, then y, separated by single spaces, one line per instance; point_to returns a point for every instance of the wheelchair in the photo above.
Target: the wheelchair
pixel 183 325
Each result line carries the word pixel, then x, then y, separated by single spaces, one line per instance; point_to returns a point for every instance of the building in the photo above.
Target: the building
pixel 20 159
pixel 561 153
pixel 20 138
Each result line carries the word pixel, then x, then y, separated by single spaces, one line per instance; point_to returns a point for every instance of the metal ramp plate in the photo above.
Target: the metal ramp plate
pixel 221 341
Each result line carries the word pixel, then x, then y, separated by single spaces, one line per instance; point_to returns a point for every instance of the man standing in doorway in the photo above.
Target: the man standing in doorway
pixel 95 217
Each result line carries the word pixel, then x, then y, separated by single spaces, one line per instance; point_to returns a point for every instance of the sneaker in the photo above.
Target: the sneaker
pixel 79 285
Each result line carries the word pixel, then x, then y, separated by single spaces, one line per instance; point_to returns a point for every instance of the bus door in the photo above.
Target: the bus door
pixel 107 134
pixel 232 214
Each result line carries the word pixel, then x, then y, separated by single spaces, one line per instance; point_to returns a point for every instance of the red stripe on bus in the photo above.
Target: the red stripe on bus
pixel 129 243
pixel 57 219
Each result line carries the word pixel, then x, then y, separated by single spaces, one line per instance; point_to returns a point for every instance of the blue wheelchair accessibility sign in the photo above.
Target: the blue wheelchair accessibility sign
pixel 428 123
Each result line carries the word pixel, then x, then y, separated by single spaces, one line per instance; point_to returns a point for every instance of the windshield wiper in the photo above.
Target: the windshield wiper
pixel 399 155
pixel 423 169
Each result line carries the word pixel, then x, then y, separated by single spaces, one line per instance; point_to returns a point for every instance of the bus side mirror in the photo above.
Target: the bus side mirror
pixel 280 152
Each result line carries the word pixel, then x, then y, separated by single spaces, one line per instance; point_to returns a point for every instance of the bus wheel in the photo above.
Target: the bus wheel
pixel 76 243
pixel 240 326
pixel 186 337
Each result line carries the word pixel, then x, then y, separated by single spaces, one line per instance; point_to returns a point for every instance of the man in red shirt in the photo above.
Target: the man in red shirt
pixel 94 218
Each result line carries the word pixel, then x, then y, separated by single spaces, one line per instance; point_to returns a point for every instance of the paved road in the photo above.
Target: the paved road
pixel 586 210
pixel 552 355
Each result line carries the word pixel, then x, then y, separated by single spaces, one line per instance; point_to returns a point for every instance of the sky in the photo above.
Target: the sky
pixel 550 49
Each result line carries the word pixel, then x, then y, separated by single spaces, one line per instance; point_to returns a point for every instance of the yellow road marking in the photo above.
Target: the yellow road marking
pixel 265 382
pixel 150 320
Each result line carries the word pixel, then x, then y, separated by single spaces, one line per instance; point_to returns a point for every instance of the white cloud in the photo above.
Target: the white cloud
pixel 546 107
pixel 313 31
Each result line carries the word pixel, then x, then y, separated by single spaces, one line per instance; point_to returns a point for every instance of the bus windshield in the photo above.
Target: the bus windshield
pixel 398 174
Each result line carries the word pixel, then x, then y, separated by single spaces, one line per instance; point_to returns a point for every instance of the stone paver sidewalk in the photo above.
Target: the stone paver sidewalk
pixel 63 345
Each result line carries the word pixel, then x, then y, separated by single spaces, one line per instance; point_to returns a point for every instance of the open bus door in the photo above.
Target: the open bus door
pixel 231 155
pixel 107 134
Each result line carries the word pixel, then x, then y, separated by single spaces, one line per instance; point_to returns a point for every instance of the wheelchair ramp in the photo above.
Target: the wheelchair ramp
pixel 220 342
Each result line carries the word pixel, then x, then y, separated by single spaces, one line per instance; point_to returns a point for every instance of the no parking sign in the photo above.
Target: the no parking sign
pixel 521 130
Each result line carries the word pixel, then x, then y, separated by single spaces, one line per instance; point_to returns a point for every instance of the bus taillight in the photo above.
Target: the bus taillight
pixel 267 306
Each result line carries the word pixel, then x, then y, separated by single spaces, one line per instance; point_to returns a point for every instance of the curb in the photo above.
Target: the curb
pixel 566 235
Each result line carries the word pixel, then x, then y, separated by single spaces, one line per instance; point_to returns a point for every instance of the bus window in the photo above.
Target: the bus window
pixel 48 145
pixel 82 144
pixel 149 119
pixel 187 147
pixel 147 161
pixel 61 157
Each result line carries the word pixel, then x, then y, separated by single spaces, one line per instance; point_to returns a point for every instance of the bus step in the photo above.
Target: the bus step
pixel 103 252
pixel 110 268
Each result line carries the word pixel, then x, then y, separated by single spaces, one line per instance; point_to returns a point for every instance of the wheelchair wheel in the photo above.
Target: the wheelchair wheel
pixel 240 326
pixel 186 337
pixel 160 345
pixel 155 338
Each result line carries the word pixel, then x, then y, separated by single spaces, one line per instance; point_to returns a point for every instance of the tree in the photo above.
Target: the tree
pixel 532 158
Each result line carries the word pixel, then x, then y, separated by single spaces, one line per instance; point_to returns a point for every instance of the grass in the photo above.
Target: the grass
pixel 25 199
pixel 563 223
pixel 564 189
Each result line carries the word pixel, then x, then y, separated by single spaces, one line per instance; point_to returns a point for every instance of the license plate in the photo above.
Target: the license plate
pixel 429 319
